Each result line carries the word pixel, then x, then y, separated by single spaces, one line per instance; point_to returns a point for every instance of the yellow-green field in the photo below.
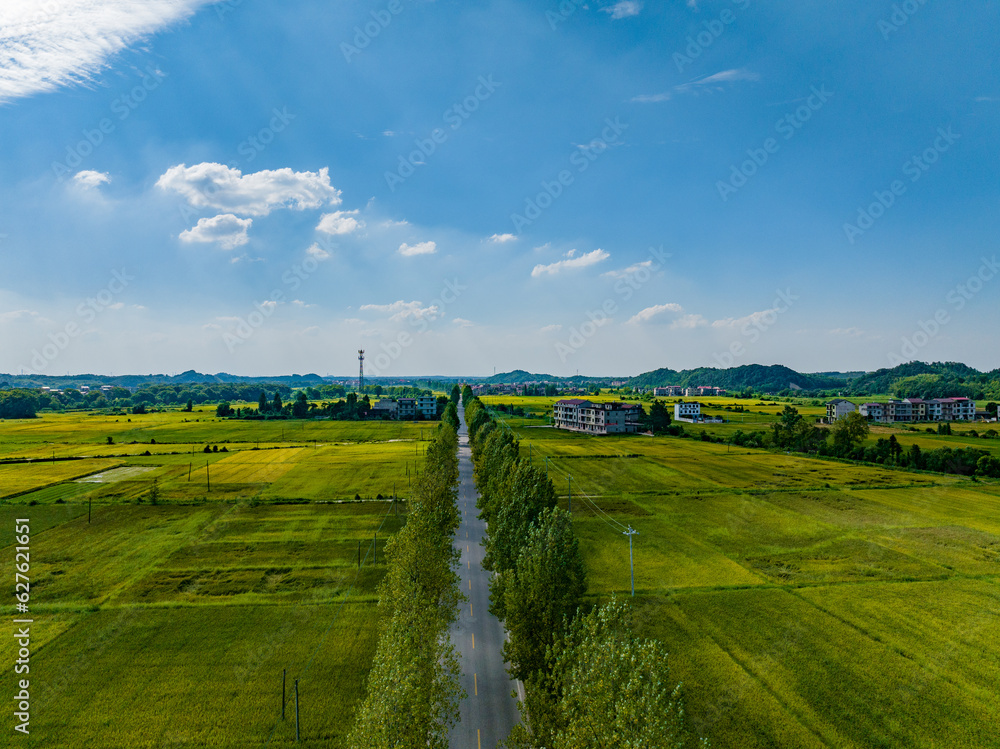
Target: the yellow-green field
pixel 169 625
pixel 804 603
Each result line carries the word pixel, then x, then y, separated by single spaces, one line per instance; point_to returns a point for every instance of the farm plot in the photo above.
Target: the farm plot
pixel 19 478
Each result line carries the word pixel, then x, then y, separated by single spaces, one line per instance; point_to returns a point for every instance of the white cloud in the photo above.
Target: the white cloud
pixel 219 187
pixel 657 309
pixel 401 310
pixel 626 272
pixel 423 248
pixel 462 322
pixel 624 9
pixel 550 329
pixel 226 229
pixel 714 82
pixel 503 238
pixel 340 222
pixel 318 252
pixel 45 44
pixel 571 261
pixel 88 179
pixel 687 322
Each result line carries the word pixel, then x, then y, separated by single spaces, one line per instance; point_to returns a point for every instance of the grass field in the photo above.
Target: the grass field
pixel 169 625
pixel 805 603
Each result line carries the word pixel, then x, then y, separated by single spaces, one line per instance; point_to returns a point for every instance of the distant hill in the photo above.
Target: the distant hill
pixel 768 379
pixel 922 380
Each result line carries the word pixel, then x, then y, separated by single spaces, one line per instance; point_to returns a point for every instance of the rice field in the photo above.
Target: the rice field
pixel 804 603
pixel 170 624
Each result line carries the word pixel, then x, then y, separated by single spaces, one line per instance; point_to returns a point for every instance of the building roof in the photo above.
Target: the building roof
pixel 572 402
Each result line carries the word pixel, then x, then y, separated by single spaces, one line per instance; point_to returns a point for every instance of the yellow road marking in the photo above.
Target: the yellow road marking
pixel 473 640
pixel 470 584
pixel 470 609
pixel 475 681
pixel 479 740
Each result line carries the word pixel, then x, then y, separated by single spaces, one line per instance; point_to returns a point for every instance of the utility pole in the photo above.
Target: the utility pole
pixel 630 532
pixel 296 711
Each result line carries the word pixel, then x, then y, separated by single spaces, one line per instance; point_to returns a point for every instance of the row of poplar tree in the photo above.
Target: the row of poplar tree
pixel 413 688
pixel 588 680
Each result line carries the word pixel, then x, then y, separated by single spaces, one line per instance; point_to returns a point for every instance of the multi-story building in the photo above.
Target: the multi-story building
pixel 580 415
pixel 687 411
pixel 918 409
pixel 838 409
pixel 406 408
pixel 427 406
pixel 899 411
pixel 951 409
pixel 873 411
pixel 386 409
pixel 668 391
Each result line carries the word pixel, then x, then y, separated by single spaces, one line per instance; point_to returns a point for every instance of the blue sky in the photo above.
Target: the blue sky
pixel 457 186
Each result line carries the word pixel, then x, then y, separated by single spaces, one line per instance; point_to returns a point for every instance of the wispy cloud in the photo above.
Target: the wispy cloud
pixel 227 230
pixel 650 312
pixel 624 9
pixel 630 271
pixel 45 45
pixel 219 187
pixel 572 261
pixel 423 248
pixel 766 316
pixel 711 83
pixel 317 252
pixel 401 310
pixel 502 238
pixel 688 322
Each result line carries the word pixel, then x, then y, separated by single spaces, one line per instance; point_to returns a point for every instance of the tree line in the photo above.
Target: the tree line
pixel 846 439
pixel 413 688
pixel 589 680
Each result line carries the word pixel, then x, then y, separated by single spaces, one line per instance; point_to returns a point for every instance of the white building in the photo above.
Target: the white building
pixel 838 409
pixel 687 411
pixel 874 411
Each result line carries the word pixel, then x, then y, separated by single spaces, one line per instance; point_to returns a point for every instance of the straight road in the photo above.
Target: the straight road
pixel 489 712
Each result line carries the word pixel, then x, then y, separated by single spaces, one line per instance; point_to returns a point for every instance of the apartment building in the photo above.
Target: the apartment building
pixel 578 415
pixel 915 409
pixel 668 391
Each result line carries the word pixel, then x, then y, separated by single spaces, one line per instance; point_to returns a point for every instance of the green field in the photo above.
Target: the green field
pixel 804 602
pixel 169 625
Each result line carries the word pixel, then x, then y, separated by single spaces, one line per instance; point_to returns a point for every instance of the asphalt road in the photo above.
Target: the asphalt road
pixel 490 711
